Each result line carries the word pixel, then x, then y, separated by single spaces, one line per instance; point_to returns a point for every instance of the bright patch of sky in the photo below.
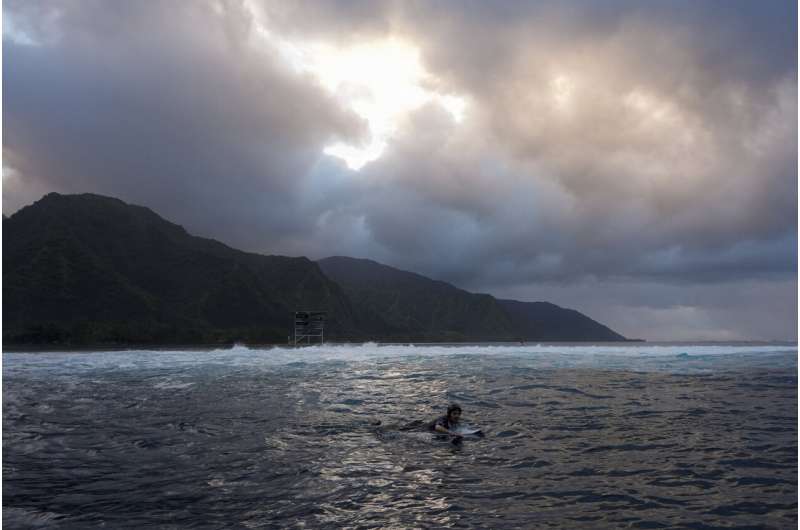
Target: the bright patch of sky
pixel 380 81
pixel 9 172
pixel 562 90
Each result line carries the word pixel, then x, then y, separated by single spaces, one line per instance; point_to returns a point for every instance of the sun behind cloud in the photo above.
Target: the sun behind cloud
pixel 381 81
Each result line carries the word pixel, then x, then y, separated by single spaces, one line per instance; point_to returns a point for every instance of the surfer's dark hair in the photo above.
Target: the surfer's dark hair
pixel 452 407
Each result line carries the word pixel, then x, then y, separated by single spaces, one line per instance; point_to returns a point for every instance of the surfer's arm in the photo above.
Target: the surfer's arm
pixel 444 430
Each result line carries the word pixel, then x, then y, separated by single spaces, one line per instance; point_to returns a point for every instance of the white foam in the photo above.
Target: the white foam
pixel 169 384
pixel 243 356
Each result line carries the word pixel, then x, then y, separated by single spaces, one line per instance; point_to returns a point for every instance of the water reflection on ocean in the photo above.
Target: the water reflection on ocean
pixel 575 438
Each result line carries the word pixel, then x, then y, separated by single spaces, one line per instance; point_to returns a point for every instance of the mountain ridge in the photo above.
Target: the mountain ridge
pixel 88 269
pixel 365 280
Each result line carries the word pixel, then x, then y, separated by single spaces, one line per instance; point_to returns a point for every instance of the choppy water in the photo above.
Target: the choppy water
pixel 633 436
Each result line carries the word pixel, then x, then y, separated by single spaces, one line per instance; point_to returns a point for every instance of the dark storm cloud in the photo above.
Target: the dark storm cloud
pixel 644 146
pixel 167 105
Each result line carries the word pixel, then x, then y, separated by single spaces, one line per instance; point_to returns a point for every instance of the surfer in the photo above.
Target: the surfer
pixel 447 427
pixel 448 424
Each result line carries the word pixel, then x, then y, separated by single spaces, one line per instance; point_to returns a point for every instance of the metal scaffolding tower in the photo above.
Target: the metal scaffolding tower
pixel 309 326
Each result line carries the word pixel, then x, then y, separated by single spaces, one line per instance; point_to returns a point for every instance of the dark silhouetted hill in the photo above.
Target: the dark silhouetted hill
pixel 544 321
pixel 87 269
pixel 414 304
pixel 93 270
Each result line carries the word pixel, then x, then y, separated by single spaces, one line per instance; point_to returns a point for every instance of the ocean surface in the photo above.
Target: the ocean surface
pixel 632 435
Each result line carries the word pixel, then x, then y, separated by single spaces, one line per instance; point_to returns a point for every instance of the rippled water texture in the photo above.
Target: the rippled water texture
pixel 576 437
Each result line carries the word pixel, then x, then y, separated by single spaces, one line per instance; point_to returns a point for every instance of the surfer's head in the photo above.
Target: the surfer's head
pixel 454 412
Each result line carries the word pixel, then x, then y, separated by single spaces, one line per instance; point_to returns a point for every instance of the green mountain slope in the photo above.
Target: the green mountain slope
pixel 428 309
pixel 548 322
pixel 91 269
pixel 418 307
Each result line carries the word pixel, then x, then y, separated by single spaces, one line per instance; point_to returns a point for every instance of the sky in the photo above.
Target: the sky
pixel 633 160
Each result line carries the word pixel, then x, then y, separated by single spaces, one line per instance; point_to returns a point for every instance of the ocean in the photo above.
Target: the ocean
pixel 634 435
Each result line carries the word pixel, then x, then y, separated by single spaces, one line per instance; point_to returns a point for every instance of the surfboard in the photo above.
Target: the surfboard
pixel 468 430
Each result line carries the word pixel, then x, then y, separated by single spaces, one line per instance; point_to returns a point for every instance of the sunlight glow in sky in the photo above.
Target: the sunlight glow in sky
pixel 562 90
pixel 382 82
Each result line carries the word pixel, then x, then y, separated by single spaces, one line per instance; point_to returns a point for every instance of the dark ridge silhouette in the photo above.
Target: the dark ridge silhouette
pixel 93 270
pixel 417 306
pixel 87 269
pixel 544 321
pixel 414 304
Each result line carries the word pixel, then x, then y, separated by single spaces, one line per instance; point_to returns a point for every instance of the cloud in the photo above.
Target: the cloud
pixel 668 129
pixel 759 309
pixel 625 143
pixel 187 116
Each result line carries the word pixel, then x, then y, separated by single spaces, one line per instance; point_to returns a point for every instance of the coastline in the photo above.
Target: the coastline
pixel 66 348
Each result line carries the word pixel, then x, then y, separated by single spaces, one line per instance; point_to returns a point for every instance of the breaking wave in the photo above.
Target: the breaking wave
pixel 636 356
